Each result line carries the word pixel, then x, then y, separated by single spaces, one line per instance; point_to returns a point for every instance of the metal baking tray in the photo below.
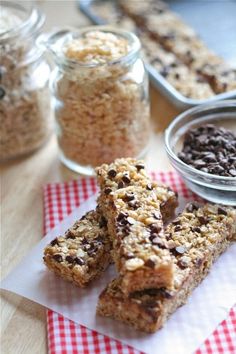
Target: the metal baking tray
pixel 213 20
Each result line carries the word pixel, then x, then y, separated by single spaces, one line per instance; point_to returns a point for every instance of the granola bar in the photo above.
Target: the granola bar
pixel 83 253
pixel 131 172
pixel 65 253
pixel 167 29
pixel 139 10
pixel 130 203
pixel 183 79
pixel 201 234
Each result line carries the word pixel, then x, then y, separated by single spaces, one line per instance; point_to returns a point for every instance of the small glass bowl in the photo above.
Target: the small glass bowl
pixel 217 189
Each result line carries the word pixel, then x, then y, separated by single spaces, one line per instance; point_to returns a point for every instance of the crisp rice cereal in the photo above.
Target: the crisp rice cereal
pixel 104 113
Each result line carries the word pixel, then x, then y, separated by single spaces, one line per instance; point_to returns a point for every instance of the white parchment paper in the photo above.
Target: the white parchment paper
pixel 183 333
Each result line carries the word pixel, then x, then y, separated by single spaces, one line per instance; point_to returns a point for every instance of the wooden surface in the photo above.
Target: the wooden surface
pixel 23 322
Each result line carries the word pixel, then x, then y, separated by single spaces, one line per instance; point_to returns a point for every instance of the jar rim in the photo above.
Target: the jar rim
pixel 56 40
pixel 28 27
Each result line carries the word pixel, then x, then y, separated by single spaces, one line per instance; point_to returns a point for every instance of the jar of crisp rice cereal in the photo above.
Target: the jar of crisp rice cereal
pixel 24 74
pixel 100 90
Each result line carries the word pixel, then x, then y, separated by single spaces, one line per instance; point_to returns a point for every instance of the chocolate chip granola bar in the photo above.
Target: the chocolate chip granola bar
pixel 83 253
pixel 168 30
pixel 185 80
pixel 131 205
pixel 199 235
pixel 80 246
pixel 132 172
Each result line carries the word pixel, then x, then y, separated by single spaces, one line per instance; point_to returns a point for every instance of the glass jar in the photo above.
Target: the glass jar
pixel 24 74
pixel 100 96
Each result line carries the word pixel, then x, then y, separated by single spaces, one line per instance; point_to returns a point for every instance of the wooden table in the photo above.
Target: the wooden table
pixel 24 322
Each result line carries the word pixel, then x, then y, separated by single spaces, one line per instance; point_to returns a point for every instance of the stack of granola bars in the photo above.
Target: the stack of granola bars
pixel 158 265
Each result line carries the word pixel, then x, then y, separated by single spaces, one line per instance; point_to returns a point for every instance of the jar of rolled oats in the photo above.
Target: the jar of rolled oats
pixel 100 90
pixel 24 74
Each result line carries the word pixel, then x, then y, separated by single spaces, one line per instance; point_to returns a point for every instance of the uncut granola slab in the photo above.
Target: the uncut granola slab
pixel 83 253
pixel 200 235
pixel 131 205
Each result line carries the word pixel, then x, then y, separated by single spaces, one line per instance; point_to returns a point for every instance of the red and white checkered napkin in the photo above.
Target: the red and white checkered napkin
pixel 66 337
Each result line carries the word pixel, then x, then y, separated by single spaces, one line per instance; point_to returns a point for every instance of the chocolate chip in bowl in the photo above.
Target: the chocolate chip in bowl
pixel 201 146
pixel 210 149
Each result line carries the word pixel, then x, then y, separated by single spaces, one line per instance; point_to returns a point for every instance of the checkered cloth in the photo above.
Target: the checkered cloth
pixel 67 337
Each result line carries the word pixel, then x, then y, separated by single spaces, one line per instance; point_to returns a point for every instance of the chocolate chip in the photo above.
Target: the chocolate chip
pixel 232 172
pixel 107 190
pixel 177 76
pixel 191 207
pixel 126 179
pixel 178 228
pixel 210 149
pixel 140 167
pixel 102 222
pixel 149 187
pixel 128 197
pixel 165 71
pixel 198 262
pixel 196 229
pixel 111 173
pixel 121 216
pixel 150 263
pixel 157 215
pixel 70 234
pixel 168 236
pixel 54 242
pixel 86 247
pixel 203 220
pixel 182 264
pixel 209 158
pixel 222 211
pixel 129 255
pixel 92 251
pixel 155 228
pixel 99 239
pixel 58 258
pixel 79 261
pixel 133 204
pixel 199 163
pixel 155 240
pixel 125 231
pixel 121 185
pixel 69 259
pixel 84 241
pixel 2 92
pixel 166 294
pixel 176 222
